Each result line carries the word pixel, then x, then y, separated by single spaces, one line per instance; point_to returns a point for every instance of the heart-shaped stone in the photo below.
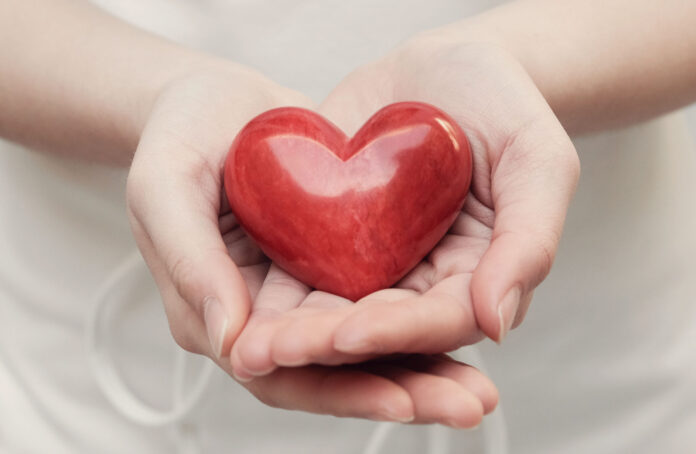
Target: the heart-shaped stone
pixel 348 216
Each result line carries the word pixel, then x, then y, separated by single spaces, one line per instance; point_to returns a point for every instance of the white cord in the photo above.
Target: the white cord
pixel 186 433
pixel 438 439
pixel 122 398
pixel 494 428
pixel 378 437
pixel 107 376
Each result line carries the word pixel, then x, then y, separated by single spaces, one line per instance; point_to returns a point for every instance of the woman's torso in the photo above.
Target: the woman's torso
pixel 604 362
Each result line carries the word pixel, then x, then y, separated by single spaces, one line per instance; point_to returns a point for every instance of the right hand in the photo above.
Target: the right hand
pixel 480 277
pixel 209 272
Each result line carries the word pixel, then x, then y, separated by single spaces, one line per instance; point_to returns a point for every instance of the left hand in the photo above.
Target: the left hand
pixel 198 253
pixel 480 278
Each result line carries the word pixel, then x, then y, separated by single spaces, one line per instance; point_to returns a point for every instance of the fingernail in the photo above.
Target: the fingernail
pixel 216 323
pixel 507 309
pixel 404 420
pixel 242 378
pixel 456 425
pixel 268 370
pixel 393 414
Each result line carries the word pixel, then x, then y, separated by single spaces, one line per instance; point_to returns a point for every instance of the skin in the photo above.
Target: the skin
pixel 507 234
pixel 496 244
pixel 514 78
pixel 195 261
pixel 127 98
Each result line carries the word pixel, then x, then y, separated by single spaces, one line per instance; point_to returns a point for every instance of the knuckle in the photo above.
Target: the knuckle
pixel 136 189
pixel 185 329
pixel 285 282
pixel 185 340
pixel 536 249
pixel 182 271
pixel 545 253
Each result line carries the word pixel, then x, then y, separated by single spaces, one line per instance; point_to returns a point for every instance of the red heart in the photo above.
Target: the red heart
pixel 348 216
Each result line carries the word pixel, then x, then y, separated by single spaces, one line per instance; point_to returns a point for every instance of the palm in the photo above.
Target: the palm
pixel 195 248
pixel 422 388
pixel 176 173
pixel 291 324
pixel 440 305
pixel 525 171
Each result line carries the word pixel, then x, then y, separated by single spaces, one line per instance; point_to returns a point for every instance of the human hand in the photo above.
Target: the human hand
pixel 480 278
pixel 209 272
pixel 201 261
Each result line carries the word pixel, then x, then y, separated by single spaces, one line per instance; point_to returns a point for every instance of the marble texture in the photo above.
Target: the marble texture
pixel 348 216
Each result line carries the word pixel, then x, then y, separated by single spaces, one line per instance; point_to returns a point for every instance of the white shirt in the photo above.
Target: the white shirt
pixel 604 363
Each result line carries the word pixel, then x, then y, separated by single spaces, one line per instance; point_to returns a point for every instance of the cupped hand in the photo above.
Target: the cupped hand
pixel 479 280
pixel 201 263
pixel 209 272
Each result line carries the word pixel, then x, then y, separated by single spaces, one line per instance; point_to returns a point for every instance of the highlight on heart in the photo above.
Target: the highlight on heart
pixel 348 216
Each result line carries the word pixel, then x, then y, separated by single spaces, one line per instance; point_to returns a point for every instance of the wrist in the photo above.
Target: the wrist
pixel 159 78
pixel 488 33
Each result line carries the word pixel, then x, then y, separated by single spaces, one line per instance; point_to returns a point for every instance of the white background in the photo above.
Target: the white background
pixel 692 119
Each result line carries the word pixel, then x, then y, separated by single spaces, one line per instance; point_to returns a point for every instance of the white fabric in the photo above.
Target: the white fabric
pixel 604 363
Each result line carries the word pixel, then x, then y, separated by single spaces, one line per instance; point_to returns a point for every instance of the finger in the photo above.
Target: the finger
pixel 242 250
pixel 250 355
pixel 532 185
pixel 335 391
pixel 440 320
pixel 309 337
pixel 435 398
pixel 467 376
pixel 227 222
pixel 523 308
pixel 306 338
pixel 188 330
pixel 253 276
pixel 174 201
pixel 280 293
pixel 267 342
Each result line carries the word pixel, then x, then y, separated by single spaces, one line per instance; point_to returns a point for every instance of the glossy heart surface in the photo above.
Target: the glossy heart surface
pixel 348 216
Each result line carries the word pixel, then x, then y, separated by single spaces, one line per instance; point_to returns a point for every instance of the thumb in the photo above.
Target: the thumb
pixel 173 198
pixel 532 184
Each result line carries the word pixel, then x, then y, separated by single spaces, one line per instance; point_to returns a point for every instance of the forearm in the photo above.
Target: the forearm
pixel 77 81
pixel 599 63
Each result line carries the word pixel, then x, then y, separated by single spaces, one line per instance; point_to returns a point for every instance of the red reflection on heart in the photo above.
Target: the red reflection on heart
pixel 348 216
